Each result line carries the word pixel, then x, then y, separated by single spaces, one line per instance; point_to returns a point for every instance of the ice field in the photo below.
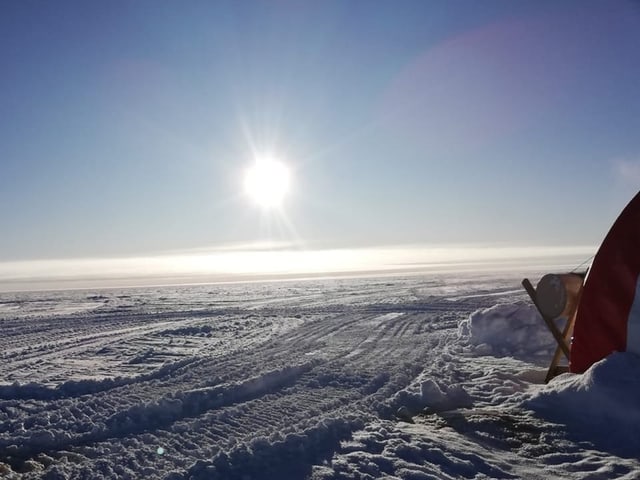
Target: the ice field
pixel 421 377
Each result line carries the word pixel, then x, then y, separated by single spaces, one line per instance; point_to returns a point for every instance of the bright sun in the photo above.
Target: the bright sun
pixel 266 182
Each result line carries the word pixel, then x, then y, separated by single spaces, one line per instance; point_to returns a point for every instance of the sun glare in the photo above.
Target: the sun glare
pixel 267 181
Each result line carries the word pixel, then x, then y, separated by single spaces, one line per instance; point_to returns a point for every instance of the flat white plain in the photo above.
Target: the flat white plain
pixel 306 379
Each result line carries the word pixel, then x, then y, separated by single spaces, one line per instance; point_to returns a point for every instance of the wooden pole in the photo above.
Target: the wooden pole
pixel 566 334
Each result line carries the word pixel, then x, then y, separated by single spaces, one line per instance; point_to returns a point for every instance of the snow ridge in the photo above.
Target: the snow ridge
pixel 77 388
pixel 277 457
pixel 151 415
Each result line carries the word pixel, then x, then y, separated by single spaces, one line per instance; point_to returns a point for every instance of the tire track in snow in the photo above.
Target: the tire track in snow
pixel 303 400
pixel 149 416
pixel 356 358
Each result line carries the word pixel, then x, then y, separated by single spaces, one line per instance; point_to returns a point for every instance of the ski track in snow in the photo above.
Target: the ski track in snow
pixel 279 380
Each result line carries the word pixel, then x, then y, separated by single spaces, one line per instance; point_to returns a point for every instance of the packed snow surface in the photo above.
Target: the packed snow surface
pixel 424 377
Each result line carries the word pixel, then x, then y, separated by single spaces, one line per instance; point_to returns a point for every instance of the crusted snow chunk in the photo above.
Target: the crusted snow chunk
pixel 427 393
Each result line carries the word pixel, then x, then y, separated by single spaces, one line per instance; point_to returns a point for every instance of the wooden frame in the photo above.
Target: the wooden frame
pixel 562 337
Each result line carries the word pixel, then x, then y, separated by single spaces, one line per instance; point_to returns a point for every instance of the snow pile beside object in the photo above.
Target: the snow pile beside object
pixel 515 330
pixel 601 406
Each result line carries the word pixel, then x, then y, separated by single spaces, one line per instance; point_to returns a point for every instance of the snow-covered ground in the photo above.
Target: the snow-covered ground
pixel 422 377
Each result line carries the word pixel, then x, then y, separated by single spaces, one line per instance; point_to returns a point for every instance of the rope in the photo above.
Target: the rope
pixel 586 261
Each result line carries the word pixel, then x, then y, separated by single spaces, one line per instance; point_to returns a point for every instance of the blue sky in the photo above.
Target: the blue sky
pixel 126 126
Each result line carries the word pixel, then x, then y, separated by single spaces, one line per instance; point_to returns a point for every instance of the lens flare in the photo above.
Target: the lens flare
pixel 267 182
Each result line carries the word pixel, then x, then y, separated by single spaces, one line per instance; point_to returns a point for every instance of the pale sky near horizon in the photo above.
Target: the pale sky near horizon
pixel 126 126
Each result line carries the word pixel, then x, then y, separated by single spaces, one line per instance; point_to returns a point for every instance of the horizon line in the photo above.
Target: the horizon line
pixel 205 266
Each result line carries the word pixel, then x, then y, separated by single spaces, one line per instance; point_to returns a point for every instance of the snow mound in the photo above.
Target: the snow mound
pixel 601 406
pixel 507 330
pixel 426 393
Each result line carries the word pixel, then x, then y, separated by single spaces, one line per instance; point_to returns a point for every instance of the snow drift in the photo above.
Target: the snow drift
pixel 515 330
pixel 601 406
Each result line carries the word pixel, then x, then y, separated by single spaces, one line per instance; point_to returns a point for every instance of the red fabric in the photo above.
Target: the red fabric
pixel 601 321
